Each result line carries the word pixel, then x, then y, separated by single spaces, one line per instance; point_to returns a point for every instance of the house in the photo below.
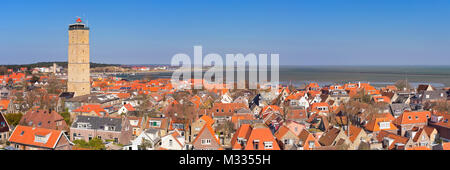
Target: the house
pixel 88 127
pixel 159 123
pixel 296 114
pixel 90 110
pixel 221 112
pixel 334 137
pixel 298 99
pixel 6 105
pixel 338 96
pixel 286 139
pixel 432 133
pixel 35 138
pixel 381 122
pixel 150 136
pixel 433 96
pixel 442 125
pixel 206 139
pixel 419 137
pixel 4 129
pixel 197 126
pixel 307 141
pixel 381 99
pixel 320 108
pixel 172 141
pixel 226 98
pixel 424 87
pixel 92 99
pixel 318 122
pixel 409 120
pixel 239 139
pixel 272 116
pixel 261 138
pixel 126 108
pixel 48 119
pixel 391 141
pixel 397 109
pixel 137 124
pixel 295 127
pixel 357 136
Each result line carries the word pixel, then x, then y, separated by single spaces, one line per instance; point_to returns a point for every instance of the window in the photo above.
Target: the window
pixel 417 117
pixel 170 142
pixel 268 145
pixel 39 124
pixel 255 144
pixel 385 125
pixel 409 117
pixel 99 137
pixel 311 144
pixel 40 139
pixel 206 141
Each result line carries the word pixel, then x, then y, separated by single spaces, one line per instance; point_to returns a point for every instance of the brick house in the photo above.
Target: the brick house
pixel 356 135
pixel 196 126
pixel 33 138
pixel 307 141
pixel 286 138
pixel 334 137
pixel 391 141
pixel 261 138
pixel 44 119
pixel 88 127
pixel 442 125
pixel 4 129
pixel 206 139
pixel 409 120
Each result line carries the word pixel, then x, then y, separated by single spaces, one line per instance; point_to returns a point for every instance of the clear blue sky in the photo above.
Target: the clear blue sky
pixel 303 32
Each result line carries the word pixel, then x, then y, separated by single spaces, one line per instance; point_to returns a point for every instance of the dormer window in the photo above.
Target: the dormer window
pixel 409 117
pixel 41 139
pixel 417 117
pixel 385 125
pixel 256 144
pixel 268 145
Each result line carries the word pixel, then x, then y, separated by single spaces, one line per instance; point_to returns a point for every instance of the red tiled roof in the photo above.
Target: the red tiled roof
pixel 92 107
pixel 129 107
pixel 261 134
pixel 244 133
pixel 26 135
pixel 208 128
pixel 4 103
pixel 412 117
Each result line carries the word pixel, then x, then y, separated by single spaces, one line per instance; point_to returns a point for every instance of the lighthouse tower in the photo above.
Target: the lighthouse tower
pixel 78 59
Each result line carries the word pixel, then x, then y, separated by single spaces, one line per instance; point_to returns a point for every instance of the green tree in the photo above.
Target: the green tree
pixel 66 116
pixel 13 118
pixel 94 144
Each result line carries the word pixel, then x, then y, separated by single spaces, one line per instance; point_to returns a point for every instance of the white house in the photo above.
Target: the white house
pixel 151 135
pixel 226 98
pixel 172 141
pixel 126 108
